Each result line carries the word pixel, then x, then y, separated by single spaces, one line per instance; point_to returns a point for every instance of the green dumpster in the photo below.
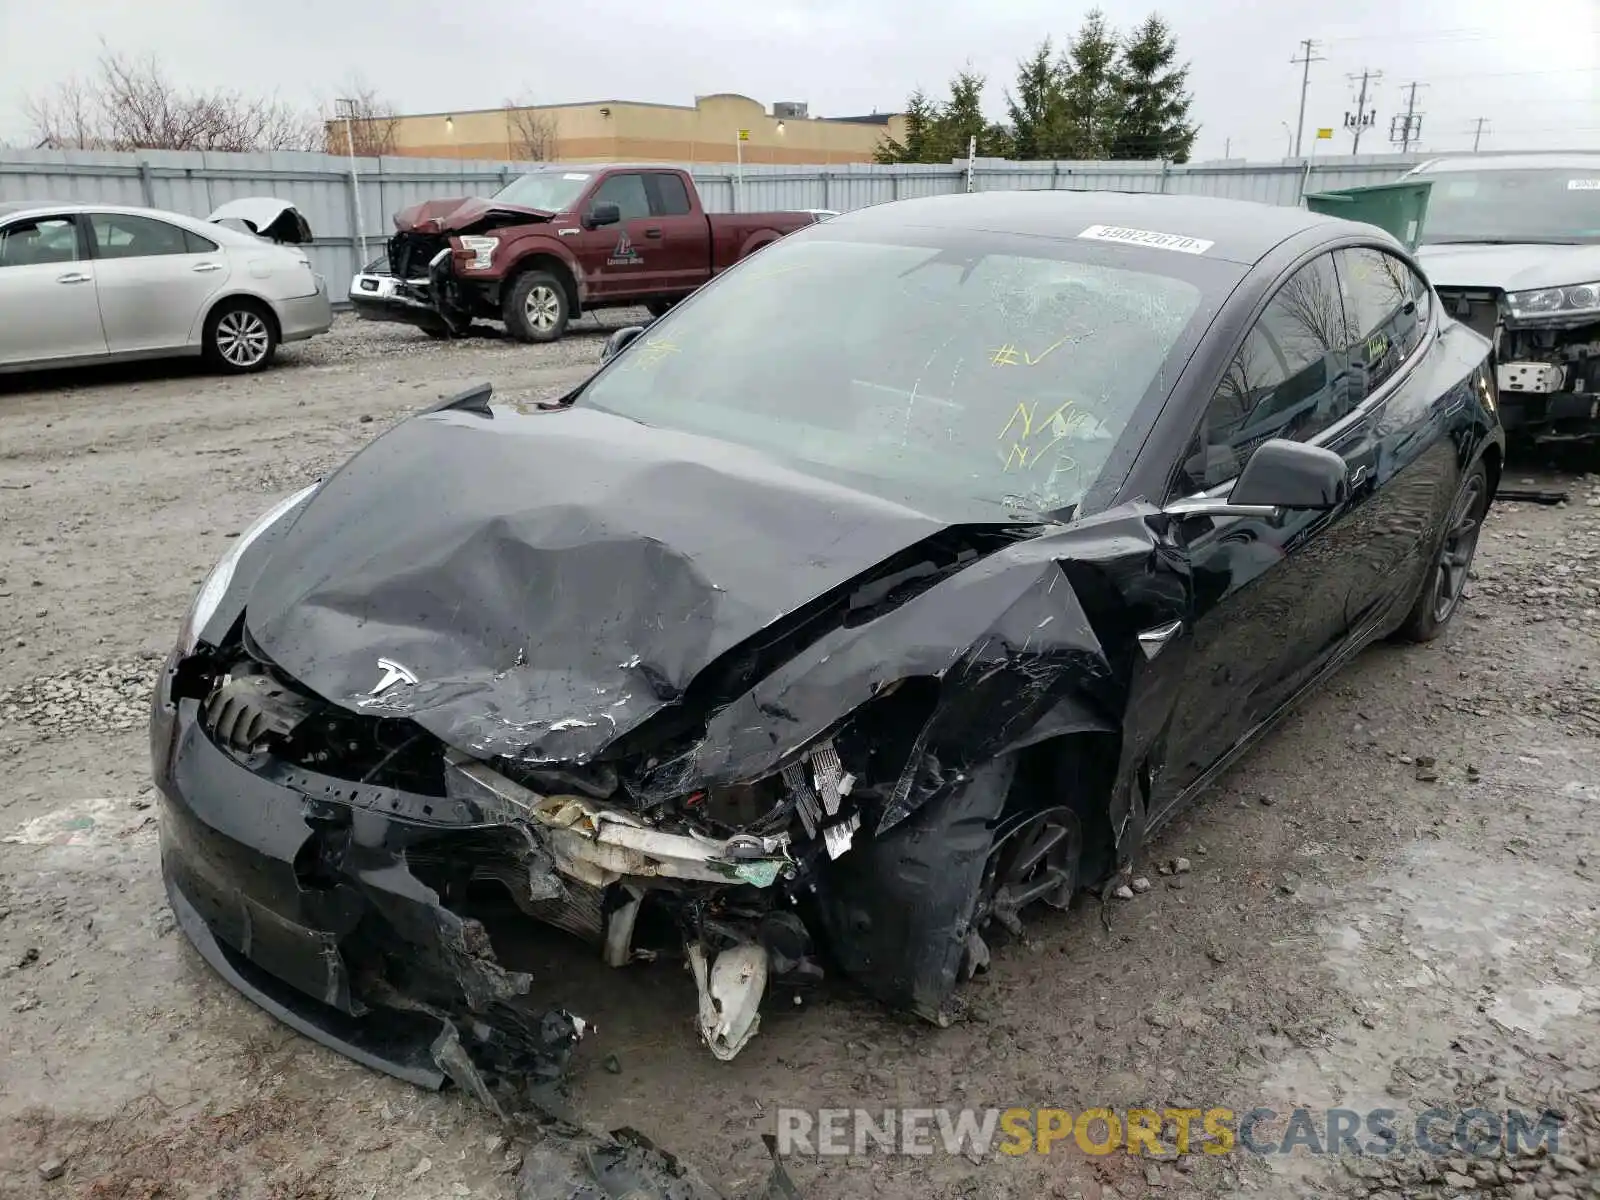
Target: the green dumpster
pixel 1396 208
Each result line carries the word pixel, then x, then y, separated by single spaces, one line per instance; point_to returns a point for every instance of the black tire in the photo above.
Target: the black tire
pixel 240 337
pixel 658 308
pixel 1439 595
pixel 536 307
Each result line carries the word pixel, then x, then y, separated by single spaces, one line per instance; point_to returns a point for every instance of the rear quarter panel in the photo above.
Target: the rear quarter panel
pixel 736 236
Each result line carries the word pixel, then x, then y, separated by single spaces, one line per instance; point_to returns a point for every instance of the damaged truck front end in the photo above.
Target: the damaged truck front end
pixel 346 832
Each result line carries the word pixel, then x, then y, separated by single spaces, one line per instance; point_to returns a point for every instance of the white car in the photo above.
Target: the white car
pixel 83 283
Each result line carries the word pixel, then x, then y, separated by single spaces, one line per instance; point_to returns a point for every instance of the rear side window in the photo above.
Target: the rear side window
pixel 1388 308
pixel 195 244
pixel 118 235
pixel 1289 378
pixel 671 198
pixel 627 193
pixel 42 240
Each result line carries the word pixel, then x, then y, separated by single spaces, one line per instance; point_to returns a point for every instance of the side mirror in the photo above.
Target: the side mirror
pixel 1280 474
pixel 602 213
pixel 618 341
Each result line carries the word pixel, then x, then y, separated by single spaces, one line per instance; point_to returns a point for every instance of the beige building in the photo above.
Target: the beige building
pixel 630 131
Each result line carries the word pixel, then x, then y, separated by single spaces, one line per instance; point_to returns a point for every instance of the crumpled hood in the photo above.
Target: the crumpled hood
pixel 461 212
pixel 1513 268
pixel 552 578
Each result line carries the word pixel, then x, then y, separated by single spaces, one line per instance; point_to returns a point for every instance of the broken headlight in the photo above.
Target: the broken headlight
pixel 1578 300
pixel 482 249
pixel 218 581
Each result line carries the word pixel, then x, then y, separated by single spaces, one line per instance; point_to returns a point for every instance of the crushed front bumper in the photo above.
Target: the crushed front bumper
pixel 385 298
pixel 306 903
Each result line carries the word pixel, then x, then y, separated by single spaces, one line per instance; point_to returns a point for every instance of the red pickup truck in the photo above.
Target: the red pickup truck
pixel 555 243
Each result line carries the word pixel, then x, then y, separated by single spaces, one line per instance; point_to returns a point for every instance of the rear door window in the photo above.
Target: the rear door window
pixel 119 235
pixel 670 198
pixel 1388 308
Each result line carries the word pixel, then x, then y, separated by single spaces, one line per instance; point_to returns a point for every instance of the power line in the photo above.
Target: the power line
pixel 1308 47
pixel 1406 127
pixel 1361 118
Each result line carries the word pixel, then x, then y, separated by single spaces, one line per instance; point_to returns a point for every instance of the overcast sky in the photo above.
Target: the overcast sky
pixel 1532 67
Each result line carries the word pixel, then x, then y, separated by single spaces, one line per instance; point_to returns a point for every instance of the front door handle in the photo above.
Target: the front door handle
pixel 206 266
pixel 73 277
pixel 653 231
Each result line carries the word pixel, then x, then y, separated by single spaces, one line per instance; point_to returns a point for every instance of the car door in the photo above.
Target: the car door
pixel 1268 609
pixel 680 236
pixel 1404 481
pixel 620 258
pixel 154 280
pixel 48 310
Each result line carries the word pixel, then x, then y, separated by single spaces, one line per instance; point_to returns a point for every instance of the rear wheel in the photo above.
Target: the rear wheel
pixel 536 308
pixel 240 337
pixel 1440 594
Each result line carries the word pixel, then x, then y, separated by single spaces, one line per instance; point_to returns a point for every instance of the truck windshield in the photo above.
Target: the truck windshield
pixel 999 369
pixel 1543 205
pixel 550 191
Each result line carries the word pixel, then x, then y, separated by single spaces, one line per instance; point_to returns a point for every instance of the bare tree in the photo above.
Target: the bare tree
pixel 374 124
pixel 130 104
pixel 530 132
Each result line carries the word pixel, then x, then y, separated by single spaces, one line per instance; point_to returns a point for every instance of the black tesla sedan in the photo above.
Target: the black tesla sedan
pixel 908 575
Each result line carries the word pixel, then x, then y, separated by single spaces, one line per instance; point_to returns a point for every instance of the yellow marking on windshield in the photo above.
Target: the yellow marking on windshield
pixel 1059 424
pixel 1009 356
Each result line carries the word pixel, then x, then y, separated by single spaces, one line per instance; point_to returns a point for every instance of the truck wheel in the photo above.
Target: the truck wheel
pixel 536 308
pixel 657 308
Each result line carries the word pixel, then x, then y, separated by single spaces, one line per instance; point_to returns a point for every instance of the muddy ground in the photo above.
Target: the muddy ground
pixel 1356 927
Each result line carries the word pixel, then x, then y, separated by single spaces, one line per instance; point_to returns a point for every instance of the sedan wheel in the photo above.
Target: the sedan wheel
pixel 1447 576
pixel 239 339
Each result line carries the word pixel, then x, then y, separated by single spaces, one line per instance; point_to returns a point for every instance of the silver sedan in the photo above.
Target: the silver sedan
pixel 83 283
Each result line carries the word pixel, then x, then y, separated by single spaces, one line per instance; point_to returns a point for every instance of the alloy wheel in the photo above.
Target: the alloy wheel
pixel 243 337
pixel 1034 859
pixel 543 307
pixel 1460 544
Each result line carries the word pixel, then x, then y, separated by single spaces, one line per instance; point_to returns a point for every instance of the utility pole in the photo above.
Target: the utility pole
pixel 1406 127
pixel 1361 118
pixel 1477 134
pixel 347 110
pixel 1308 49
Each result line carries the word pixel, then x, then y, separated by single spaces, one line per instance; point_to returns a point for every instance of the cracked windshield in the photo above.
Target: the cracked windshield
pixel 1000 377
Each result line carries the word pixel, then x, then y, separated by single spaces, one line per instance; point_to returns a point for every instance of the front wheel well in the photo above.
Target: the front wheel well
pixel 556 267
pixel 1077 771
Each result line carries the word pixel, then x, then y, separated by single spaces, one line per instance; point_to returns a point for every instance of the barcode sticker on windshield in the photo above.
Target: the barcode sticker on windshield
pixel 1583 185
pixel 1147 237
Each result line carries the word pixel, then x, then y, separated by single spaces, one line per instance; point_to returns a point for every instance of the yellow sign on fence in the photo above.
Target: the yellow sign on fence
pixel 744 135
pixel 1324 134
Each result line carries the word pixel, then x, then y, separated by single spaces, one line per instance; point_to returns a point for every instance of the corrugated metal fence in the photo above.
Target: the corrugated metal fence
pixel 320 185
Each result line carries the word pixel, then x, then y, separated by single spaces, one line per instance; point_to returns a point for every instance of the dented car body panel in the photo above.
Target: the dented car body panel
pixel 622 653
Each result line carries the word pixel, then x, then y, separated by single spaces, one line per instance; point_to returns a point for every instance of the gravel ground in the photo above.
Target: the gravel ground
pixel 1393 903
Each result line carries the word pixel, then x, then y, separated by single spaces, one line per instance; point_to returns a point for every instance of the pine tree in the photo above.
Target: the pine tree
pixel 1154 100
pixel 1038 110
pixel 1090 86
pixel 921 116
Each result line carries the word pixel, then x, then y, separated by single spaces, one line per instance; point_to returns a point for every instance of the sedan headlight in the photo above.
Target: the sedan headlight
pixel 216 584
pixel 1579 300
pixel 482 251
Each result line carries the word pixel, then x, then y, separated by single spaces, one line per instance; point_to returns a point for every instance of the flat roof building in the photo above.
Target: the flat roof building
pixel 632 131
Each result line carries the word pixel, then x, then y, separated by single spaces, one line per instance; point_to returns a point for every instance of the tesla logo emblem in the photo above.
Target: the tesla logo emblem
pixel 393 673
